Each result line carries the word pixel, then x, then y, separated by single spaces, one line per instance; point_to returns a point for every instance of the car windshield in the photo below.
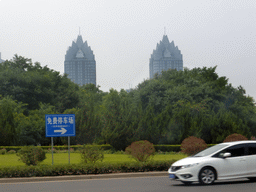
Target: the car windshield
pixel 210 150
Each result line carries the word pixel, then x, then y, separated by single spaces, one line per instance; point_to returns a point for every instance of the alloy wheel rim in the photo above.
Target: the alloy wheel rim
pixel 207 176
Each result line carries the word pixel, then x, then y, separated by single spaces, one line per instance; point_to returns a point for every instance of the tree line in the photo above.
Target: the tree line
pixel 163 110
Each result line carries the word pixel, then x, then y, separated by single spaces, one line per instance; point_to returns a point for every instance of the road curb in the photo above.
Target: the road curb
pixel 79 177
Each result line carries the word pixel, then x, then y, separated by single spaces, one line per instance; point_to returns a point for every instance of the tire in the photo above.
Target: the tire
pixel 207 176
pixel 186 182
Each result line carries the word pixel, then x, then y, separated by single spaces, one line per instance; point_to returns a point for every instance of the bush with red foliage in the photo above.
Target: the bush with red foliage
pixel 235 137
pixel 141 150
pixel 192 145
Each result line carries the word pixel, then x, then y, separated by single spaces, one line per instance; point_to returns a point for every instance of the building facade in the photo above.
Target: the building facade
pixel 80 64
pixel 1 60
pixel 165 56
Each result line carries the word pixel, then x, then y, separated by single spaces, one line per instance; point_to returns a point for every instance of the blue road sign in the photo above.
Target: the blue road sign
pixel 62 125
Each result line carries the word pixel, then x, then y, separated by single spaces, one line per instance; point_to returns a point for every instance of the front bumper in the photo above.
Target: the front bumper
pixel 186 174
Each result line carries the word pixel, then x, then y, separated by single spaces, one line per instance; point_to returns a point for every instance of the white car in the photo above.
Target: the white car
pixel 229 160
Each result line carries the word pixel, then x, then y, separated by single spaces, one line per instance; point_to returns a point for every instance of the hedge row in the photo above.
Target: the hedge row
pixel 167 148
pixel 163 148
pixel 83 169
pixel 63 147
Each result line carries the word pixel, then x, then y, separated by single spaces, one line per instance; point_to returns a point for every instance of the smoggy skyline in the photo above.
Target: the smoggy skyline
pixel 123 35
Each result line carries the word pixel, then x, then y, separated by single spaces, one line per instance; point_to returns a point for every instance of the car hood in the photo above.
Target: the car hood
pixel 189 160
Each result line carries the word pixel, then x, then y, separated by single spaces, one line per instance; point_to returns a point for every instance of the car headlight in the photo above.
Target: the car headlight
pixel 189 165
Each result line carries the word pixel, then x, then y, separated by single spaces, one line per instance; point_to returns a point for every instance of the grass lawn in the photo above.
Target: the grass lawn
pixel 75 158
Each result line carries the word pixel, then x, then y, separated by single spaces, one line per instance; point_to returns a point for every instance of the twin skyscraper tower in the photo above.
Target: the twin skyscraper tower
pixel 80 64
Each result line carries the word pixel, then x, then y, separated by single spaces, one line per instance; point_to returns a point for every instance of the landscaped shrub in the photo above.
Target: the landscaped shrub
pixel 11 152
pixel 118 152
pixel 79 169
pixel 3 151
pixel 235 137
pixel 167 148
pixel 50 150
pixel 91 153
pixel 71 150
pixel 57 148
pixel 31 155
pixel 141 150
pixel 192 145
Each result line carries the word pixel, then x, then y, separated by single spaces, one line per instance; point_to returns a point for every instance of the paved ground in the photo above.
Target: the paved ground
pixel 77 177
pixel 139 183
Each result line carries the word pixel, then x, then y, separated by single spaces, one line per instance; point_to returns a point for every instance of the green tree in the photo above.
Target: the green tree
pixel 118 127
pixel 190 102
pixel 32 127
pixel 88 115
pixel 8 110
pixel 32 84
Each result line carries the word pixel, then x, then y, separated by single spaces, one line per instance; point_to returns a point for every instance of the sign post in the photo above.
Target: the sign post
pixel 60 125
pixel 52 149
pixel 68 150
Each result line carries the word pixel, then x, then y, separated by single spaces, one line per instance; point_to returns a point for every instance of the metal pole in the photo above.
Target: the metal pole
pixel 52 149
pixel 68 149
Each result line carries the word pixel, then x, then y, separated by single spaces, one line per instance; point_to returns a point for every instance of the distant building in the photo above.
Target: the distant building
pixel 165 56
pixel 1 60
pixel 128 90
pixel 80 63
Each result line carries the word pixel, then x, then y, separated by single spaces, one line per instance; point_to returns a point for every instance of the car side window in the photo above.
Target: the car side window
pixel 236 151
pixel 251 148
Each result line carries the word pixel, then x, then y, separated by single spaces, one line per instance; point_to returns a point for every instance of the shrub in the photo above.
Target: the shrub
pixel 31 155
pixel 235 137
pixel 66 150
pixel 49 150
pixel 192 145
pixel 11 152
pixel 167 148
pixel 3 151
pixel 119 152
pixel 8 148
pixel 141 150
pixel 91 154
pixel 81 169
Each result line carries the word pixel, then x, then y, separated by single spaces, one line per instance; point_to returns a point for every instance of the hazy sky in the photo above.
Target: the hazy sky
pixel 123 34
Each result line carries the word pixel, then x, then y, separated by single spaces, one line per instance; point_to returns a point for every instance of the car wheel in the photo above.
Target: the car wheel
pixel 186 182
pixel 207 176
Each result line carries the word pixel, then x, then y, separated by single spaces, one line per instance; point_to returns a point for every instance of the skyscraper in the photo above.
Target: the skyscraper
pixel 165 56
pixel 1 60
pixel 80 64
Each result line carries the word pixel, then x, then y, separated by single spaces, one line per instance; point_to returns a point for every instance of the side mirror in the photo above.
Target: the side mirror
pixel 225 155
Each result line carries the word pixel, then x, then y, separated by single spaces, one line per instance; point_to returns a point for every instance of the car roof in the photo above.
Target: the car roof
pixel 240 142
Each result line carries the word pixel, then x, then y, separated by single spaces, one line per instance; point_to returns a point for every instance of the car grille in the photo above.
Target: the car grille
pixel 175 168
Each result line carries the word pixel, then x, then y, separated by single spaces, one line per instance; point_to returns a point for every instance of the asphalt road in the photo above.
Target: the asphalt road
pixel 127 184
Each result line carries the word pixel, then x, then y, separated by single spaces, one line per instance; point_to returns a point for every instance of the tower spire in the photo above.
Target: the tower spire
pixel 79 30
pixel 164 31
